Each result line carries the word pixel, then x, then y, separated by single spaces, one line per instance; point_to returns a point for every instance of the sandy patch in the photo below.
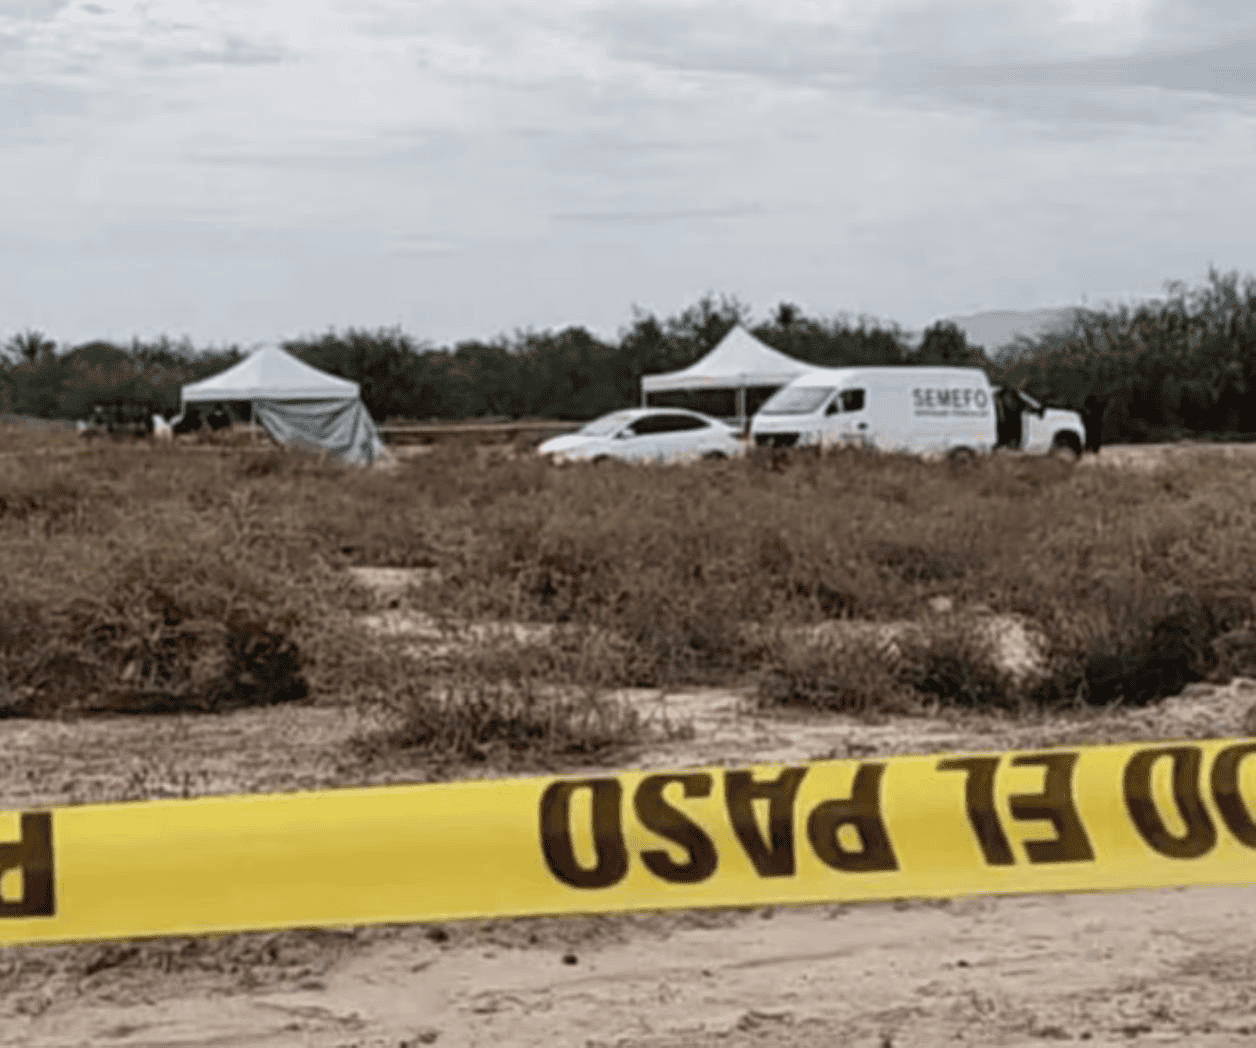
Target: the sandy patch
pixel 1145 457
pixel 390 584
pixel 1015 645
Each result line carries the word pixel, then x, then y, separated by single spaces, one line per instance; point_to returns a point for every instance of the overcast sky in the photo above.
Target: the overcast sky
pixel 252 170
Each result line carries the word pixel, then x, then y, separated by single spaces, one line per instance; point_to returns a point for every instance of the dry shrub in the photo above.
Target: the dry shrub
pixel 673 637
pixel 200 577
pixel 54 502
pixel 160 633
pixel 955 665
pixel 1021 478
pixel 948 664
pixel 142 579
pixel 505 723
pixel 580 656
pixel 347 515
pixel 264 465
pixel 1147 646
pixel 836 678
pixel 1186 642
pixel 913 563
pixel 672 560
pixel 812 538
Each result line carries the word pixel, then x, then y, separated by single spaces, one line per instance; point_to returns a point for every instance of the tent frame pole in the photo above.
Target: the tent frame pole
pixel 741 409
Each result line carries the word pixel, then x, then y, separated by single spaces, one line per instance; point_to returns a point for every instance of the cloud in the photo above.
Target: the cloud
pixel 110 47
pixel 1227 69
pixel 1081 98
pixel 32 10
pixel 420 244
pixel 725 40
pixel 340 152
pixel 26 110
pixel 231 50
pixel 1080 63
pixel 891 155
pixel 648 216
pixel 1188 23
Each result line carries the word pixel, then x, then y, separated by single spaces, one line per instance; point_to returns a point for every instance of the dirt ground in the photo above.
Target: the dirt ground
pixel 1175 967
pixel 1171 967
pixel 1148 456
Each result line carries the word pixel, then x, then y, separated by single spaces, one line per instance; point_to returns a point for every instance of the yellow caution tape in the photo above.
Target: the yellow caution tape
pixel 1057 820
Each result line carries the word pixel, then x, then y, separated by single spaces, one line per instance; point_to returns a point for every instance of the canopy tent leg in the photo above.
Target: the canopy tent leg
pixel 741 409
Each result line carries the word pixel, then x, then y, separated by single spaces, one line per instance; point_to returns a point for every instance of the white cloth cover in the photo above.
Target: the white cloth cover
pixel 270 374
pixel 297 404
pixel 739 361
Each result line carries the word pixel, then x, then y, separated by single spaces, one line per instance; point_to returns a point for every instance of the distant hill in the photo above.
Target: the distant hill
pixel 997 328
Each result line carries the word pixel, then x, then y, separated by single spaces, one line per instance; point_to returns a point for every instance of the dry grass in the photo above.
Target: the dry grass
pixel 674 560
pixel 507 724
pixel 143 577
pixel 844 678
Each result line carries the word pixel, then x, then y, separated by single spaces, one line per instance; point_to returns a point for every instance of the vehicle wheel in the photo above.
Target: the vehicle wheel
pixel 599 459
pixel 962 455
pixel 1066 448
pixel 715 456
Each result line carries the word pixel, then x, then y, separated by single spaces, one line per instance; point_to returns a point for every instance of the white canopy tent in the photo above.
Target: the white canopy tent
pixel 739 362
pixel 296 404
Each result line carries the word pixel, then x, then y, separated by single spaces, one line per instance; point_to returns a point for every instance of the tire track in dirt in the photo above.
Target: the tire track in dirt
pixel 1170 967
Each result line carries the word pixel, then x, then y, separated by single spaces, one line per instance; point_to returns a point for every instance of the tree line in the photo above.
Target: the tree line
pixel 38 381
pixel 1174 367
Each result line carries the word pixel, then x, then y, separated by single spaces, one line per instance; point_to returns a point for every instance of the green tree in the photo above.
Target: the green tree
pixel 29 347
pixel 1183 363
pixel 569 374
pixel 382 363
pixel 832 343
pixel 945 343
pixel 486 378
pixel 701 327
pixel 787 314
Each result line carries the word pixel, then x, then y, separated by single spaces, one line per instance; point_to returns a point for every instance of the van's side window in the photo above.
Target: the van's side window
pixel 834 407
pixel 852 399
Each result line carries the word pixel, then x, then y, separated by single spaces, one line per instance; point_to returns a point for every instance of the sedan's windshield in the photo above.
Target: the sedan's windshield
pixel 606 425
pixel 797 400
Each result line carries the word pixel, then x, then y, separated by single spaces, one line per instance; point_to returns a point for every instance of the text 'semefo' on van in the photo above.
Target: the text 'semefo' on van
pixel 919 410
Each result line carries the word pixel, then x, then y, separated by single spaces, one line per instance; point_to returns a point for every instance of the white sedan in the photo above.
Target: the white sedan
pixel 646 435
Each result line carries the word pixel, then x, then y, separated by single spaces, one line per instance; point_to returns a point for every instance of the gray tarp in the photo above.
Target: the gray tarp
pixel 341 427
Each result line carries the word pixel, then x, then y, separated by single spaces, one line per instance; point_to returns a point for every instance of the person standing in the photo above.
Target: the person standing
pixel 218 418
pixel 1093 409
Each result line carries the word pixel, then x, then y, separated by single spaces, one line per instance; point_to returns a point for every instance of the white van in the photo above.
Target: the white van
pixel 921 410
